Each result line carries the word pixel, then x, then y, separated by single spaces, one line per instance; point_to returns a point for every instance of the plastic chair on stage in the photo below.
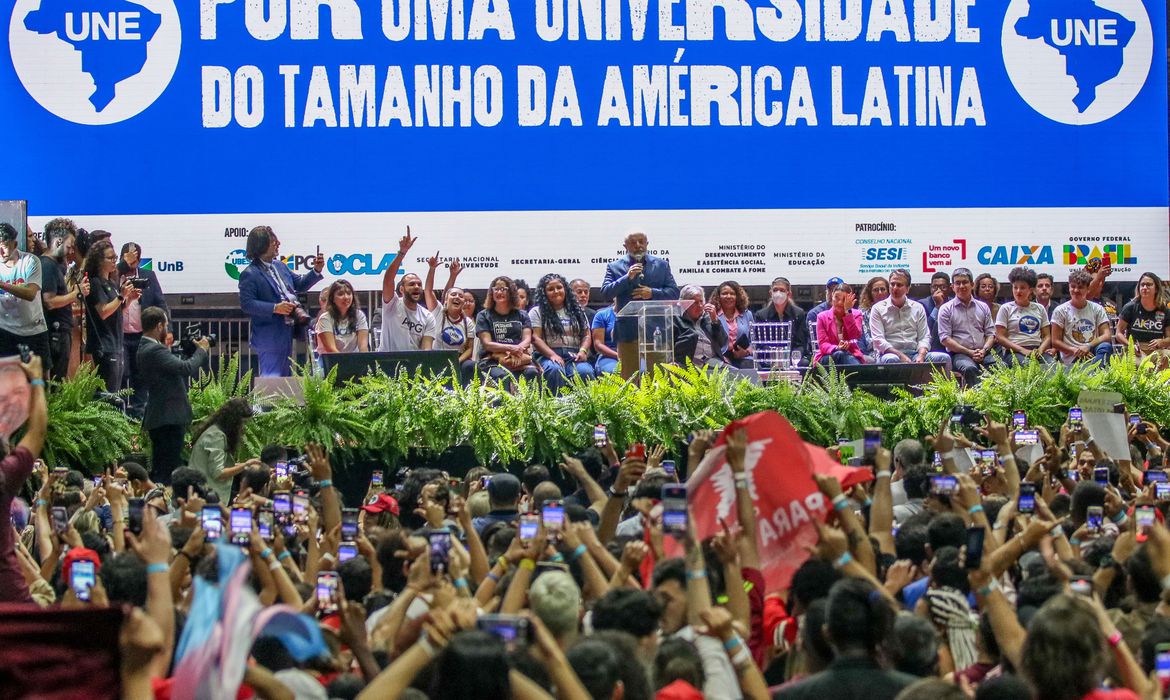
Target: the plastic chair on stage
pixel 772 350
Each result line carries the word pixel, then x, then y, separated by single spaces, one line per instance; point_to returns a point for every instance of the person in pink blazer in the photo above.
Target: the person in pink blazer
pixel 838 329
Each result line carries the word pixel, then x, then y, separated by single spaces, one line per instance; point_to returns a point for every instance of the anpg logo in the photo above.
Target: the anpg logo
pixel 95 61
pixel 1077 61
pixel 235 263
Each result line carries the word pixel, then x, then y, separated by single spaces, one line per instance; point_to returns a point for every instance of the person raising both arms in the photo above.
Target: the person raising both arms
pixel 406 322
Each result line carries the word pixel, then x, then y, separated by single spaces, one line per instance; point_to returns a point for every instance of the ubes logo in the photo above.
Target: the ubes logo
pixel 95 61
pixel 236 261
pixel 1015 255
pixel 1077 61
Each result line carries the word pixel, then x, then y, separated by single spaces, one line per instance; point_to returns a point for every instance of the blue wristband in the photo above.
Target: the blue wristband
pixel 37 382
pixel 732 643
pixel 843 560
pixel 325 483
pixel 558 558
pixel 840 502
pixel 576 553
pixel 264 554
pixel 283 555
pixel 461 582
pixel 157 568
pixel 493 577
pixel 975 509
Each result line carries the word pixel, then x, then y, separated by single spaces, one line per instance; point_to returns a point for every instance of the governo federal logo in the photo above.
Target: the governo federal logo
pixel 1078 61
pixel 95 61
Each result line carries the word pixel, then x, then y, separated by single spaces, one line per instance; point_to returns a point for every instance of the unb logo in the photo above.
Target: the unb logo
pixel 236 261
pixel 146 264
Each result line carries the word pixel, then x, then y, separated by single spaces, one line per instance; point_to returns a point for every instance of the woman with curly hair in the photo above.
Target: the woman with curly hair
pixel 342 327
pixel 560 332
pixel 505 334
pixel 103 306
pixel 214 445
pixel 732 302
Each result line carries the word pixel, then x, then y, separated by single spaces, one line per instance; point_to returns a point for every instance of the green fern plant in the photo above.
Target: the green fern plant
pixel 83 433
pixel 326 417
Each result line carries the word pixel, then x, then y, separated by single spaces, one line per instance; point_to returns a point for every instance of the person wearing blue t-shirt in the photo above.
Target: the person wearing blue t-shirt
pixel 603 345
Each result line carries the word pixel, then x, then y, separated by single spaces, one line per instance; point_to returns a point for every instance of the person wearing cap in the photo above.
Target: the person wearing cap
pixel 383 508
pixel 504 495
pixel 637 276
pixel 810 318
pixel 22 317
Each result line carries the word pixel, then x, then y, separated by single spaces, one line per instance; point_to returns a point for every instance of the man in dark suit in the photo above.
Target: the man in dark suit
pixel 164 376
pixel 636 277
pixel 152 295
pixel 268 294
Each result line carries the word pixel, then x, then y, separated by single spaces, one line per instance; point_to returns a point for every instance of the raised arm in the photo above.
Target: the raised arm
pixel 390 278
pixel 429 285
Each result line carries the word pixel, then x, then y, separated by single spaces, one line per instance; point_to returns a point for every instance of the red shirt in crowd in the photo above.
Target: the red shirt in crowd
pixel 15 468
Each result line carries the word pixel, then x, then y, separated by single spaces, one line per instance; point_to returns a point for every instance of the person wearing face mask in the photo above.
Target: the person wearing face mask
pixel 637 276
pixel 782 308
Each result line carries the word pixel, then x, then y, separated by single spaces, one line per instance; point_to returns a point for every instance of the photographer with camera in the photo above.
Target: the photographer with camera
pixel 146 282
pixel 164 381
pixel 268 294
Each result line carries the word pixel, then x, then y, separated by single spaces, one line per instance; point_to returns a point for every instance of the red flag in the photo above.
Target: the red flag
pixel 779 467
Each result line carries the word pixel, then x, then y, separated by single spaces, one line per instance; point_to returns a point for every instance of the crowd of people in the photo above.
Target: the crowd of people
pixel 551 332
pixel 73 297
pixel 585 580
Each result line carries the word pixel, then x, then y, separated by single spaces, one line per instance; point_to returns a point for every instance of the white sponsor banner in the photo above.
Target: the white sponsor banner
pixel 203 253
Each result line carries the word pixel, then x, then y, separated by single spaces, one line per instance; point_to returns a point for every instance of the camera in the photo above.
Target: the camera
pixel 299 316
pixel 192 334
pixel 139 282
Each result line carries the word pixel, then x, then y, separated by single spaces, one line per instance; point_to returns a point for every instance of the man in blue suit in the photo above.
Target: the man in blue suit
pixel 268 293
pixel 636 277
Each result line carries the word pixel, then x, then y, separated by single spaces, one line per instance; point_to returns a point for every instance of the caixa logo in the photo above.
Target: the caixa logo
pixel 360 264
pixel 889 254
pixel 1015 255
pixel 161 265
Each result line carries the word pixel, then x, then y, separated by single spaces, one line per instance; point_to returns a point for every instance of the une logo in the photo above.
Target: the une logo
pixel 1077 61
pixel 95 61
pixel 1093 32
pixel 115 26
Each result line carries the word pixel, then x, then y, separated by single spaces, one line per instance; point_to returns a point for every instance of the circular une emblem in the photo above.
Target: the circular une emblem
pixel 95 61
pixel 235 263
pixel 1077 61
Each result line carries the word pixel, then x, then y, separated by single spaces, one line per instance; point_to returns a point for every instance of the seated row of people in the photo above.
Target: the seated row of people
pixel 558 336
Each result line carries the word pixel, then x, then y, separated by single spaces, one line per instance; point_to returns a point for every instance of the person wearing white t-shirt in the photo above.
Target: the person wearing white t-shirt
pixel 1080 328
pixel 454 331
pixel 1022 328
pixel 407 324
pixel 22 317
pixel 342 327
